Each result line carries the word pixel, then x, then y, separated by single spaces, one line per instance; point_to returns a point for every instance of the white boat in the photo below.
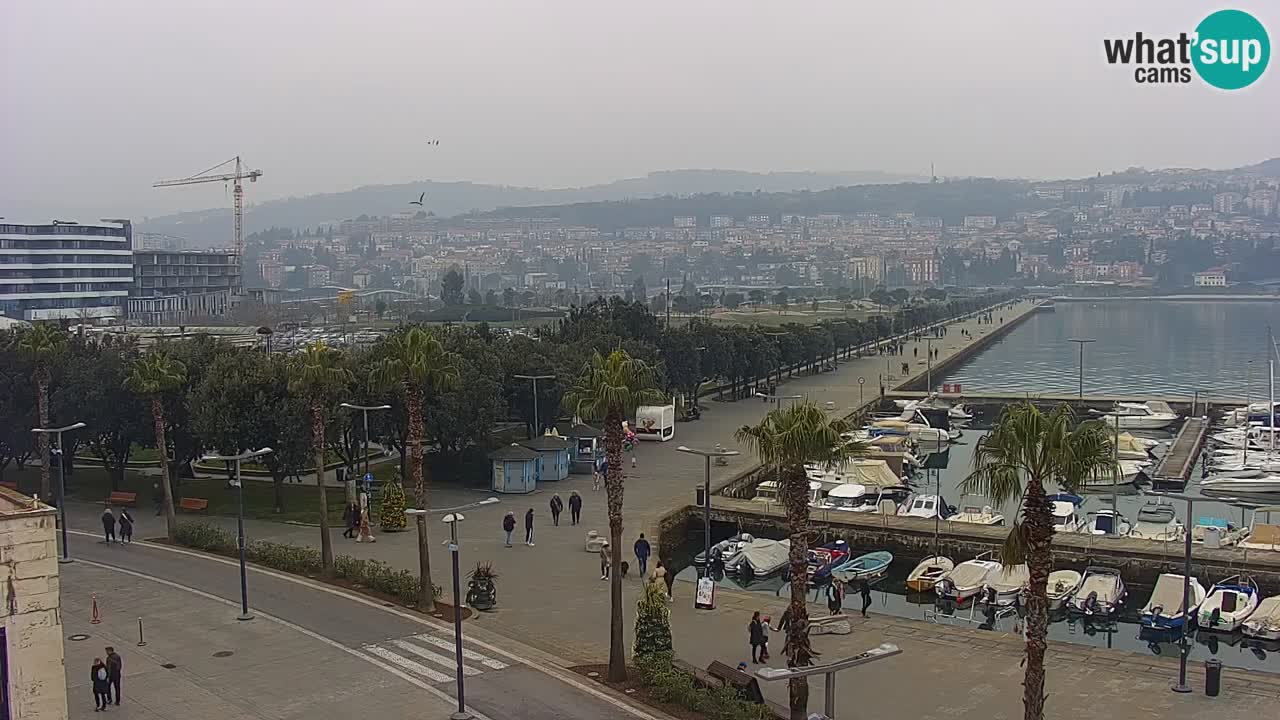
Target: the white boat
pixel 1100 592
pixel 760 557
pixel 927 572
pixel 1104 522
pixel 1217 532
pixel 844 497
pixel 1065 517
pixel 1126 472
pixel 1129 447
pixel 1157 521
pixel 1008 583
pixel 767 492
pixel 1263 535
pixel 887 500
pixel 1228 604
pixel 1264 623
pixel 1254 485
pixel 1164 610
pixel 977 514
pixel 1152 415
pixel 1062 585
pixel 966 579
pixel 926 506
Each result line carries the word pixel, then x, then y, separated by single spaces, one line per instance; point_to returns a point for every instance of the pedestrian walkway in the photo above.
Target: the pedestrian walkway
pixel 431 657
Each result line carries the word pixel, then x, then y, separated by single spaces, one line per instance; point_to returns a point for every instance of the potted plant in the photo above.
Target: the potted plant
pixel 482 594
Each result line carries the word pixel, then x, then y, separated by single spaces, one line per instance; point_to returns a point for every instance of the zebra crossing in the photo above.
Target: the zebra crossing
pixel 430 657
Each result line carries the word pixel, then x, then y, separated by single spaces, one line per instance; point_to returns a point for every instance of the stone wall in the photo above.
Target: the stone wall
pixel 29 609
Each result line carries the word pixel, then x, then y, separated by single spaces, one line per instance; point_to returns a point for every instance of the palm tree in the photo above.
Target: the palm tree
pixel 40 344
pixel 611 388
pixel 785 440
pixel 153 375
pixel 1024 452
pixel 418 363
pixel 314 374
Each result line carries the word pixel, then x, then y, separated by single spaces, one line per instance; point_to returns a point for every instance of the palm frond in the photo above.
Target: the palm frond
pixel 1015 548
pixel 616 382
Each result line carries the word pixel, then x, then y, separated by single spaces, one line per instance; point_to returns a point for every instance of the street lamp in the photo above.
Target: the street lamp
pixel 453 517
pixel 537 420
pixel 1081 342
pixel 244 581
pixel 706 498
pixel 363 498
pixel 62 486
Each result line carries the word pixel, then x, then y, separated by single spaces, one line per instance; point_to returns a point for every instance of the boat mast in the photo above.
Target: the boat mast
pixel 1115 481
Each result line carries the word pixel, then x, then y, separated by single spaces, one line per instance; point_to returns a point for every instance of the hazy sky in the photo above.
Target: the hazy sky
pixel 102 97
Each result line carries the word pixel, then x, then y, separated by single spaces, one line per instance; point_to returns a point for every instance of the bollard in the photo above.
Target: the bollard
pixel 1212 677
pixel 93 613
pixel 141 642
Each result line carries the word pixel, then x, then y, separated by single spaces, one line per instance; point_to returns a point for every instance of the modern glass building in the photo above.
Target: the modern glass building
pixel 65 270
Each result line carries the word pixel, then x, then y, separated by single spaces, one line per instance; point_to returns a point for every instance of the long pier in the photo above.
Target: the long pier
pixel 1174 469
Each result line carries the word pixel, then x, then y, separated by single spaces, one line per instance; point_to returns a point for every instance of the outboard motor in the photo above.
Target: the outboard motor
pixel 1215 617
pixel 1091 603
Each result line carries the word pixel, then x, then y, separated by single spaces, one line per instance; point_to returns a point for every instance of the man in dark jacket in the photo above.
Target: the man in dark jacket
pixel 115 669
pixel 642 555
pixel 528 528
pixel 509 525
pixel 108 524
pixel 575 507
pixel 557 507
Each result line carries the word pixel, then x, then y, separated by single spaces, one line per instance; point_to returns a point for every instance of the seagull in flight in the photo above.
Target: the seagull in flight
pixel 418 202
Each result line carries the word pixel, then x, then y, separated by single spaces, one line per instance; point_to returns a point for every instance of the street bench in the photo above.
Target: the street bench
pixel 745 683
pixel 127 499
pixel 9 484
pixel 188 504
pixel 700 677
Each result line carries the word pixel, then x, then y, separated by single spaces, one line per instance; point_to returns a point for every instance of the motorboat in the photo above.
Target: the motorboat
pixel 1061 586
pixel 1214 532
pixel 916 431
pixel 726 548
pixel 1008 583
pixel 1228 604
pixel 1151 415
pixel 1105 522
pixel 887 501
pixel 1100 593
pixel 927 572
pixel 1262 535
pixel 1157 521
pixel 1129 447
pixel 1126 472
pixel 1164 610
pixel 966 579
pixel 1264 623
pixel 1065 519
pixel 977 514
pixel 927 506
pixel 844 497
pixel 825 558
pixel 768 491
pixel 1265 484
pixel 760 557
pixel 864 567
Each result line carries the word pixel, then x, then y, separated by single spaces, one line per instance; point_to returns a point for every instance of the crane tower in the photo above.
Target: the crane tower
pixel 212 175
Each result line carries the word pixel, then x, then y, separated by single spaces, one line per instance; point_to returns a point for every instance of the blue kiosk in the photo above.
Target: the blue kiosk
pixel 586 445
pixel 557 456
pixel 515 469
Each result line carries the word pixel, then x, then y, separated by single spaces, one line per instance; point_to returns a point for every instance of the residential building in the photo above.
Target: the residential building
pixel 1226 202
pixel 172 287
pixel 1211 278
pixel 360 278
pixel 685 221
pixel 869 268
pixel 65 270
pixel 272 273
pixel 317 275
pixel 33 681
pixel 980 221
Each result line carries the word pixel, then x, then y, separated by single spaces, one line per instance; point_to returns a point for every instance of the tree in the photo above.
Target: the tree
pixel 785 440
pixel 639 290
pixel 731 300
pixel 900 296
pixel 786 276
pixel 380 307
pixel 418 363
pixel 490 297
pixel 315 375
pixel 40 345
pixel 451 287
pixel 611 388
pixel 473 297
pixel 880 296
pixel 780 298
pixel 391 507
pixel 509 297
pixel 154 375
pixel 1024 452
pixel 653 620
pixel 757 296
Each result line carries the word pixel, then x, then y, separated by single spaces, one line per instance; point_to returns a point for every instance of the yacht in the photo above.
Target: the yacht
pixel 1100 592
pixel 1157 521
pixel 1105 522
pixel 1252 485
pixel 1164 610
pixel 1228 604
pixel 1152 415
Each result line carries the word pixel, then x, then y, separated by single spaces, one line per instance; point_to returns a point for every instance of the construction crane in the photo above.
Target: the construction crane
pixel 211 175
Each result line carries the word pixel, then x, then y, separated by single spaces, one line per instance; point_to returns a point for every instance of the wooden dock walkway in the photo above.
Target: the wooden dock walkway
pixel 1174 469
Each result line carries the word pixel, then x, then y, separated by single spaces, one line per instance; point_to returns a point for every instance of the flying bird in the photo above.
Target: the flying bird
pixel 418 202
pixel 433 142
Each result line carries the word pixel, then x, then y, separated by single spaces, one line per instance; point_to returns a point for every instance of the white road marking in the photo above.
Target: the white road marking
pixel 416 668
pixel 468 654
pixel 436 658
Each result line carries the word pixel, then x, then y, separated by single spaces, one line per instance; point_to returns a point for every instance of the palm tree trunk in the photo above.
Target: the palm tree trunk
pixel 795 498
pixel 413 403
pixel 1037 528
pixel 166 486
pixel 613 493
pixel 42 402
pixel 317 447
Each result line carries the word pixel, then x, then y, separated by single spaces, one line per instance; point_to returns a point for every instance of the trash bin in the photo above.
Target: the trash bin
pixel 699 496
pixel 1212 677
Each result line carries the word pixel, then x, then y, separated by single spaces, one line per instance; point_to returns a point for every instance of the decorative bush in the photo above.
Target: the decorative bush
pixel 668 684
pixel 391 507
pixel 653 621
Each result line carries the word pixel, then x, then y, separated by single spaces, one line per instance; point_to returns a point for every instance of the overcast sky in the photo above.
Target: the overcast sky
pixel 102 97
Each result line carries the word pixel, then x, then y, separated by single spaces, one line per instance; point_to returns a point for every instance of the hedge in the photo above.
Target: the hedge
pixel 373 574
pixel 668 684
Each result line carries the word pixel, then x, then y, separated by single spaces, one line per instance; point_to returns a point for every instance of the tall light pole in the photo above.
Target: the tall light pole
pixel 706 499
pixel 62 484
pixel 1082 342
pixel 244 580
pixel 928 372
pixel 362 498
pixel 537 420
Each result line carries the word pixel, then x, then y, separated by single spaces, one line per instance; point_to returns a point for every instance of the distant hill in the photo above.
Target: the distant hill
pixel 204 228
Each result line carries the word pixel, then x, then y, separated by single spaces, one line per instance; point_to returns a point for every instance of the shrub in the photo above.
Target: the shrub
pixel 653 621
pixel 668 684
pixel 391 507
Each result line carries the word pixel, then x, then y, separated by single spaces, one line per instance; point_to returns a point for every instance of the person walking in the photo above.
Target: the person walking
pixel 865 591
pixel 575 507
pixel 835 597
pixel 108 525
pixel 101 686
pixel 528 528
pixel 115 670
pixel 157 497
pixel 126 526
pixel 557 507
pixel 642 551
pixel 509 525
pixel 755 633
pixel 350 520
pixel 659 575
pixel 604 561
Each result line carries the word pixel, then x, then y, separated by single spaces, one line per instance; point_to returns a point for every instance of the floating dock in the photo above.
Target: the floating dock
pixel 1174 469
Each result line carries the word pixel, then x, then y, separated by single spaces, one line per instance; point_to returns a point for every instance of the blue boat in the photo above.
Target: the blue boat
pixel 871 566
pixel 824 559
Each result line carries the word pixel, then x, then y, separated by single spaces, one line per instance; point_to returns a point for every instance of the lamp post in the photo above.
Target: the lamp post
pixel 928 372
pixel 363 497
pixel 706 498
pixel 62 485
pixel 453 517
pixel 1182 686
pixel 537 420
pixel 1082 342
pixel 244 581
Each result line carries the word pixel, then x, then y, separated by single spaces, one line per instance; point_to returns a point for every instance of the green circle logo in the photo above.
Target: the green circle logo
pixel 1232 49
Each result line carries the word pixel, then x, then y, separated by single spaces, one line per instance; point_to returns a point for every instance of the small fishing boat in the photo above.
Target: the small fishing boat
pixel 845 497
pixel 1164 610
pixel 1008 583
pixel 1264 623
pixel 1157 521
pixel 1062 585
pixel 966 579
pixel 926 574
pixel 824 559
pixel 1064 507
pixel 1100 592
pixel 1217 532
pixel 1228 604
pixel 759 558
pixel 725 549
pixel 864 567
pixel 927 506
pixel 1104 522
pixel 977 514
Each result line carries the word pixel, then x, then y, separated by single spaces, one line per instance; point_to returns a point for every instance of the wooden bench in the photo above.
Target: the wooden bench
pixel 127 499
pixel 188 504
pixel 9 484
pixel 700 677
